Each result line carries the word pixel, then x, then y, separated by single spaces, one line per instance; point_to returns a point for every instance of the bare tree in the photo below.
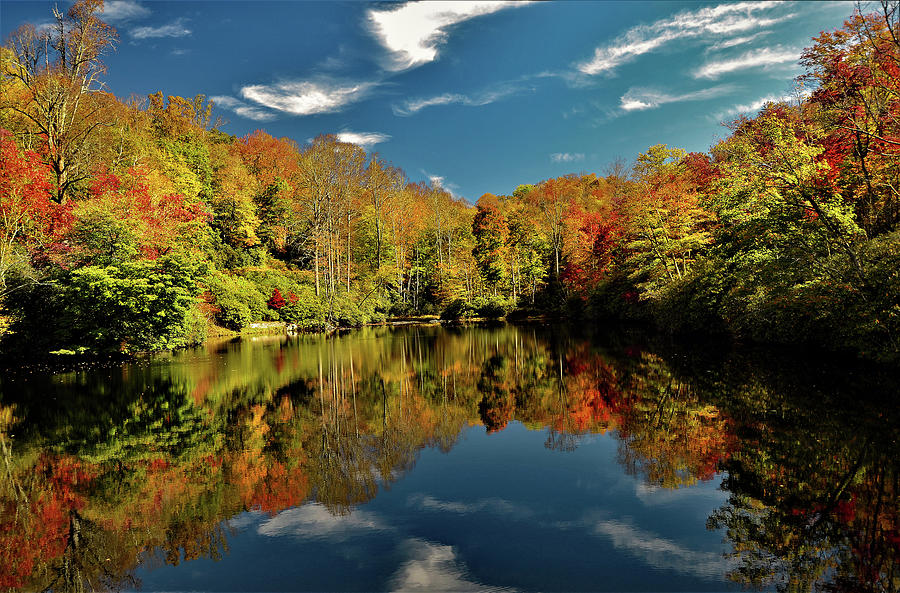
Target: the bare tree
pixel 58 67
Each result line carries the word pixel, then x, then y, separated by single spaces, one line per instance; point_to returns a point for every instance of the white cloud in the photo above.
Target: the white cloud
pixel 119 11
pixel 654 496
pixel 754 106
pixel 42 28
pixel 412 106
pixel 413 31
pixel 434 567
pixel 566 157
pixel 748 108
pixel 713 22
pixel 314 521
pixel 638 99
pixel 364 139
pixel 735 41
pixel 754 58
pixel 176 28
pixel 415 105
pixel 242 109
pixel 440 182
pixel 307 97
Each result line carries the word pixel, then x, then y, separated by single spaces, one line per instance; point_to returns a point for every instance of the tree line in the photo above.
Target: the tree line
pixel 129 225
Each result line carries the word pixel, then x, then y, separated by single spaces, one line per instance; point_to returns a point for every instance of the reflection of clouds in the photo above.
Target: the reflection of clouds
pixel 497 506
pixel 315 521
pixel 433 567
pixel 651 495
pixel 662 553
pixel 245 519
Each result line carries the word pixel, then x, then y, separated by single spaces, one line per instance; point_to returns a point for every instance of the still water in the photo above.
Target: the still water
pixel 508 458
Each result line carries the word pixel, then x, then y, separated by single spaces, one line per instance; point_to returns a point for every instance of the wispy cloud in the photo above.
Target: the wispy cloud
pixel 440 182
pixel 735 41
pixel 176 28
pixel 242 109
pixel 363 139
pixel 755 58
pixel 413 31
pixel 716 21
pixel 566 157
pixel 120 11
pixel 307 97
pixel 753 107
pixel 639 99
pixel 412 106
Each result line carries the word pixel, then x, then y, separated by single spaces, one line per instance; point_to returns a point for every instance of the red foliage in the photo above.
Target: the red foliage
pixel 277 301
pixel 700 170
pixel 39 532
pixel 266 157
pixel 162 218
pixel 27 214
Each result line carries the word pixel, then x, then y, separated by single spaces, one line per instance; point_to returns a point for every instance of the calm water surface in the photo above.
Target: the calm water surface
pixel 426 458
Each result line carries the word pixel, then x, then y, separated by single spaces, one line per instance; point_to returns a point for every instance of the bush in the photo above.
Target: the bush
pixel 492 307
pixel 304 309
pixel 130 307
pixel 239 301
pixel 457 309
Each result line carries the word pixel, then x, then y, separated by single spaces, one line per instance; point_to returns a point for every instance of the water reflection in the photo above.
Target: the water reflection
pixel 142 464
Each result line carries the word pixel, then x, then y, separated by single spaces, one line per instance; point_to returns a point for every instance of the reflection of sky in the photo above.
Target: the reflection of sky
pixel 500 512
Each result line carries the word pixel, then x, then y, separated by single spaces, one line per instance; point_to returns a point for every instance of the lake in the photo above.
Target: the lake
pixel 478 458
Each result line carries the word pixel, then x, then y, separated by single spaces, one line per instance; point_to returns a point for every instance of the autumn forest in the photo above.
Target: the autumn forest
pixel 137 225
pixel 249 362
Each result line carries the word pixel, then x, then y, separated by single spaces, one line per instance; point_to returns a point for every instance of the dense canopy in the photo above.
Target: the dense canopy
pixel 138 225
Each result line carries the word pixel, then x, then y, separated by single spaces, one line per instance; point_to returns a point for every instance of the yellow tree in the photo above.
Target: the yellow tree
pixel 552 199
pixel 667 226
pixel 327 173
pixel 56 69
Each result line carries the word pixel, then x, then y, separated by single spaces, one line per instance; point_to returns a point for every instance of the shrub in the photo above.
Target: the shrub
pixel 492 307
pixel 138 306
pixel 457 309
pixel 239 301
pixel 304 309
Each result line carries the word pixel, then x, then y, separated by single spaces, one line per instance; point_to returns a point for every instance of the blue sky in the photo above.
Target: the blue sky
pixel 476 96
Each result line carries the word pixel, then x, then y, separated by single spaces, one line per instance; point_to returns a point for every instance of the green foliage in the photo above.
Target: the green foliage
pixel 306 311
pixel 488 307
pixel 129 307
pixel 239 300
pixel 145 305
pixel 492 307
pixel 106 238
pixel 456 310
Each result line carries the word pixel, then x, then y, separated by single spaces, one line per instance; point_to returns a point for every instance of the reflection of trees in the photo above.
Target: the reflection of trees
pixel 668 435
pixel 85 563
pixel 153 458
pixel 497 401
pixel 814 491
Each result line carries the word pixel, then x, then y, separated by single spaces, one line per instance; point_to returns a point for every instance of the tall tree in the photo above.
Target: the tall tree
pixel 56 69
pixel 491 232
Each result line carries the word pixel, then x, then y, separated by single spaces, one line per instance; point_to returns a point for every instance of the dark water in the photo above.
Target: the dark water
pixel 425 458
